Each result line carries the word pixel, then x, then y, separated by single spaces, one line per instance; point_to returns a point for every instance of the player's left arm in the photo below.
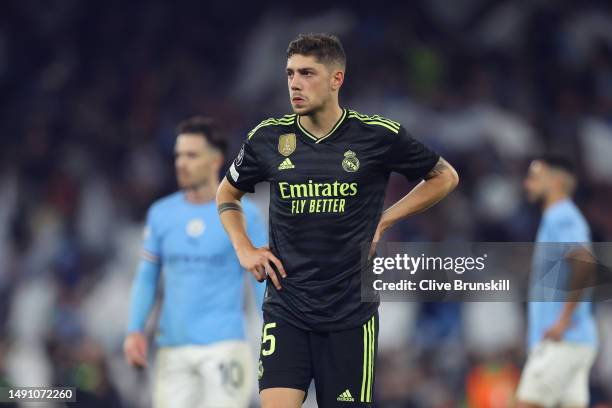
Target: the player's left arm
pixel 437 184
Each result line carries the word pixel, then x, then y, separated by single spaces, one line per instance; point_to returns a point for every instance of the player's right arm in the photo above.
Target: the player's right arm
pixel 142 298
pixel 255 260
pixel 242 176
pixel 582 265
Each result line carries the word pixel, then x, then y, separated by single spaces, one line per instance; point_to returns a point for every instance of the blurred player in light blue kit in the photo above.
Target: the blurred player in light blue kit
pixel 203 358
pixel 562 332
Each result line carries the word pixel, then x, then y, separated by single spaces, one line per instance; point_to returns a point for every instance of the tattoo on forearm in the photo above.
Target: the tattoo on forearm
pixel 438 169
pixel 229 207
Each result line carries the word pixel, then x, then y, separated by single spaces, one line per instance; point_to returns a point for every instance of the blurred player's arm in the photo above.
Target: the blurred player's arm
pixel 436 185
pixel 255 260
pixel 258 234
pixel 582 275
pixel 143 293
pixel 142 300
pixel 259 289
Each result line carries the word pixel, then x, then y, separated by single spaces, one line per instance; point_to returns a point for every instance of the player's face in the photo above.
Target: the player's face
pixel 537 181
pixel 195 161
pixel 311 84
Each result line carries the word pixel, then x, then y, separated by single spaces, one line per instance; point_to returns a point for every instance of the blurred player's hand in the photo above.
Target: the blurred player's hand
pixel 380 230
pixel 555 332
pixel 135 349
pixel 259 261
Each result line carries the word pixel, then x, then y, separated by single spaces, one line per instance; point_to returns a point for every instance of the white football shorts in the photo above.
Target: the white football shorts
pixel 220 375
pixel 557 373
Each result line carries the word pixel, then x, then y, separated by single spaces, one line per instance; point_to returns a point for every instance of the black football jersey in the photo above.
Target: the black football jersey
pixel 326 199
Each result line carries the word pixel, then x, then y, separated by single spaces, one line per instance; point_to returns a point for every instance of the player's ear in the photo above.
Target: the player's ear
pixel 337 79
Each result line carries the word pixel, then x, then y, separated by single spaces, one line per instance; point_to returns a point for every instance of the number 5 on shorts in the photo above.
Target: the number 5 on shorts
pixel 268 338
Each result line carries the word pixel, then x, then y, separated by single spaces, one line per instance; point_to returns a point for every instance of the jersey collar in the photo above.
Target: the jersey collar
pixel 331 132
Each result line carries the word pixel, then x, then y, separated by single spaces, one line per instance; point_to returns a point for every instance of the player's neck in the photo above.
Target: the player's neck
pixel 322 122
pixel 201 194
pixel 553 198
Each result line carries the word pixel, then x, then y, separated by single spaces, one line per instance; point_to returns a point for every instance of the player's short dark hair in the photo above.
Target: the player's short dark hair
pixel 558 162
pixel 204 126
pixel 326 48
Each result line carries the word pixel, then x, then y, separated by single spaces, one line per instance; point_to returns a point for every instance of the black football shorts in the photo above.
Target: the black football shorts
pixel 342 363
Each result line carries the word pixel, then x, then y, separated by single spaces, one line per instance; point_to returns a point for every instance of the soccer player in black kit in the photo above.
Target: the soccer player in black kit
pixel 328 169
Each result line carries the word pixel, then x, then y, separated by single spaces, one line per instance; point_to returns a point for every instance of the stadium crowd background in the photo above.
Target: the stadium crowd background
pixel 91 92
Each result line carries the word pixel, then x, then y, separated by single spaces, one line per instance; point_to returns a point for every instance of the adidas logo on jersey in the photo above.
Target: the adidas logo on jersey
pixel 346 397
pixel 286 164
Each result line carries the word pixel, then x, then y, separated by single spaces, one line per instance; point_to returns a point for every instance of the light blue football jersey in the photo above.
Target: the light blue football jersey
pixel 561 223
pixel 186 247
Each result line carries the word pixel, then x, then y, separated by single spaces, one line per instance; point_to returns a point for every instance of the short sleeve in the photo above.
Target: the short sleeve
pixel 151 246
pixel 245 171
pixel 568 233
pixel 570 230
pixel 409 157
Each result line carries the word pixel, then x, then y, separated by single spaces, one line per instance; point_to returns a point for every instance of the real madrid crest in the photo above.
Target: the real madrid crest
pixel 350 162
pixel 286 144
pixel 260 371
